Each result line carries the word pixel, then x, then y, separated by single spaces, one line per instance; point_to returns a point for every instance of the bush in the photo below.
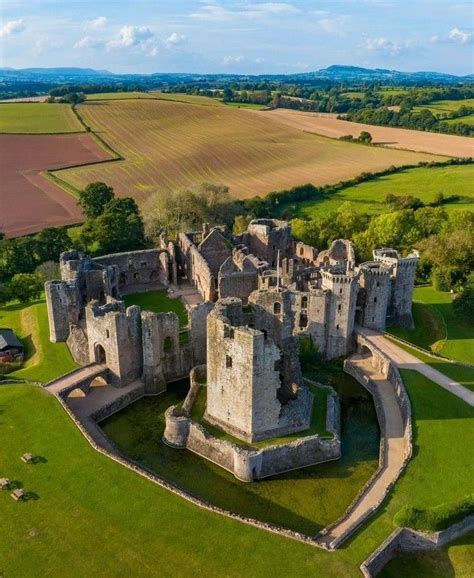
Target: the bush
pixel 437 518
pixel 446 278
pixel 463 305
pixel 26 287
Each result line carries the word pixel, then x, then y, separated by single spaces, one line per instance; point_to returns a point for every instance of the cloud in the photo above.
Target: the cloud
pixel 175 39
pixel 215 12
pixel 135 37
pixel 385 46
pixel 334 25
pixel 230 60
pixel 12 27
pixel 96 24
pixel 461 36
pixel 89 42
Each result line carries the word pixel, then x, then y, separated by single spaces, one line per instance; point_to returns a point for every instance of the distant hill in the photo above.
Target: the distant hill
pixel 334 73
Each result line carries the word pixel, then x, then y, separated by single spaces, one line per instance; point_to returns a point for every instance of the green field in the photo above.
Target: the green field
pixel 457 559
pixel 139 525
pixel 44 360
pixel 437 328
pixel 441 107
pixel 158 302
pixel 38 118
pixel 468 119
pixel 424 183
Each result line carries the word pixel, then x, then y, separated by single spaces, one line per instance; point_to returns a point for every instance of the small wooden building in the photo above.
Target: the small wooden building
pixel 11 348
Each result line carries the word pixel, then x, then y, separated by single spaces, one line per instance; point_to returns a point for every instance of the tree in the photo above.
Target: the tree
pixel 52 242
pixel 19 255
pixel 228 94
pixel 4 293
pixel 25 287
pixel 120 227
pixel 94 198
pixel 48 271
pixel 365 137
pixel 463 305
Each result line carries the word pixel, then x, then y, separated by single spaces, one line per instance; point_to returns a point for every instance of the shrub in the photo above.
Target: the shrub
pixel 437 518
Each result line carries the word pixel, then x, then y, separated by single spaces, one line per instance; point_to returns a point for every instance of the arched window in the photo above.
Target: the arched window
pixel 304 302
pixel 228 361
pixel 277 308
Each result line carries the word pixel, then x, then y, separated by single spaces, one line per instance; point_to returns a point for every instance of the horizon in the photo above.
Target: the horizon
pixel 237 36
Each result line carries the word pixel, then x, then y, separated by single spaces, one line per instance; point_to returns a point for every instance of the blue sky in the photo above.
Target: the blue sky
pixel 238 36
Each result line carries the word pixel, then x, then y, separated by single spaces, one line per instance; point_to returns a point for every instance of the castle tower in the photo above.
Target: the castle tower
pixel 403 274
pixel 340 311
pixel 374 295
pixel 58 300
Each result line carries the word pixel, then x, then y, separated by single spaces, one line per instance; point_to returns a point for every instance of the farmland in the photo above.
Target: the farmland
pixel 29 201
pixel 396 138
pixel 455 181
pixel 36 118
pixel 441 107
pixel 169 145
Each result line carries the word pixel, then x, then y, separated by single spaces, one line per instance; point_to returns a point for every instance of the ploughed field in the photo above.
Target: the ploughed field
pixel 168 145
pixel 30 202
pixel 396 138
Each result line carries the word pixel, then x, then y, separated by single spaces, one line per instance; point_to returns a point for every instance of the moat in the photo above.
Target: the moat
pixel 305 500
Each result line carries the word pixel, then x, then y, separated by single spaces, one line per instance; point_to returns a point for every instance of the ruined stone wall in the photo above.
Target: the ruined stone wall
pixel 306 254
pixel 139 270
pixel 115 338
pixel 215 249
pixel 266 238
pixel 197 270
pixel 59 301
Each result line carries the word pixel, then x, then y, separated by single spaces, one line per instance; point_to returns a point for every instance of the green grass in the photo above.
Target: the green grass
pixel 437 327
pixel 446 106
pixel 38 118
pixel 305 499
pixel 456 559
pixel 424 183
pixel 468 119
pixel 250 105
pixel 437 518
pixel 127 525
pixel 44 360
pixel 318 421
pixel 158 302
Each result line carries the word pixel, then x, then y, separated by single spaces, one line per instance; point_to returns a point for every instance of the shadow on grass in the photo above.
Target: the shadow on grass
pixel 30 496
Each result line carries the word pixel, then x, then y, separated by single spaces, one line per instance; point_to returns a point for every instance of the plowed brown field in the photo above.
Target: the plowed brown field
pixel 398 138
pixel 168 145
pixel 29 202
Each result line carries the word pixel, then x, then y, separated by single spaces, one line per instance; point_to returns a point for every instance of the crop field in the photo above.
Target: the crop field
pixel 396 138
pixel 169 145
pixel 468 119
pixel 455 181
pixel 117 95
pixel 37 118
pixel 188 98
pixel 29 201
pixel 446 106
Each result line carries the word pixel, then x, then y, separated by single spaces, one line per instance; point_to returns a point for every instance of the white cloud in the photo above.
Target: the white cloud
pixel 89 42
pixel 175 39
pixel 334 25
pixel 213 11
pixel 135 37
pixel 461 36
pixel 12 27
pixel 96 24
pixel 230 60
pixel 385 46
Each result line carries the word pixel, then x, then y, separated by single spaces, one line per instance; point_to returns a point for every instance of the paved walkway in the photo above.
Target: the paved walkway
pixel 186 292
pixel 69 380
pixel 394 452
pixel 406 360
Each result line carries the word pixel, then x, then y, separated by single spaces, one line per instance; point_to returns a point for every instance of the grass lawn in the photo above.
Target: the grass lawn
pixel 436 326
pixel 158 302
pixel 424 183
pixel 456 559
pixel 44 360
pixel 84 499
pixel 305 499
pixel 38 118
pixel 318 421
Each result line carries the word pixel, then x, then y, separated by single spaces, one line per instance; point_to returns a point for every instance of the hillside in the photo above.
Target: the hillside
pixel 169 145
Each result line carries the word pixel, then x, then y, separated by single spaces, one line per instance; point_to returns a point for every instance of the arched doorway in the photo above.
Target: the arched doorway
pixel 76 393
pixel 100 356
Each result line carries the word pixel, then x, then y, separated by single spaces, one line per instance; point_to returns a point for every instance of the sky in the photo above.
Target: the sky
pixel 238 36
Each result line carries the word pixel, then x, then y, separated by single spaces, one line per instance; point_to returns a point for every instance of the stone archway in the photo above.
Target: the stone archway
pixel 75 393
pixel 100 356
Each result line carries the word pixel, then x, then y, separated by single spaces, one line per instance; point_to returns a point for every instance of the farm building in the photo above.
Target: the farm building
pixel 11 348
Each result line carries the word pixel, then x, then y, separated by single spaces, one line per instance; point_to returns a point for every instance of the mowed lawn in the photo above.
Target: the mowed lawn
pixel 37 118
pixel 424 183
pixel 170 145
pixel 90 516
pixel 158 302
pixel 44 360
pixel 437 327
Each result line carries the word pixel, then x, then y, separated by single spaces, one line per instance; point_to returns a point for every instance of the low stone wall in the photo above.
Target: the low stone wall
pixel 408 540
pixel 118 404
pixel 248 464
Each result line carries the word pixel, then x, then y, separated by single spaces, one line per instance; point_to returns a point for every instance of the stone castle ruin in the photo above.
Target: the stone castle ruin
pixel 255 295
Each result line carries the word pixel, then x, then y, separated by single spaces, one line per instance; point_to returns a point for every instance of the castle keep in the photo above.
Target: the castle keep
pixel 255 294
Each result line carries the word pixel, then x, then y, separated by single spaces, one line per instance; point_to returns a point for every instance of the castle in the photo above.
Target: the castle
pixel 258 292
